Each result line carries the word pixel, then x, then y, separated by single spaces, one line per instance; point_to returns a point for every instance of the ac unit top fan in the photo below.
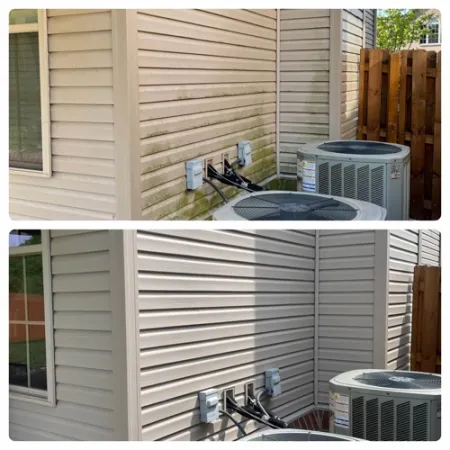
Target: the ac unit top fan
pixel 283 205
pixel 417 383
pixel 356 150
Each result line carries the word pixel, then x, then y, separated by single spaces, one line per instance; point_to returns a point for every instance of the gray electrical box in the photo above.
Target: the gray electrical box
pixel 244 153
pixel 209 405
pixel 194 174
pixel 273 382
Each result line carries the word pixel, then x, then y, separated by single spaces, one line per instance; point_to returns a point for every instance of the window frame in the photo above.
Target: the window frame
pixel 434 21
pixel 41 28
pixel 47 397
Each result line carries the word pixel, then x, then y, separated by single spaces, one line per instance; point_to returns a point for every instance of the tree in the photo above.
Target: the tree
pixel 397 29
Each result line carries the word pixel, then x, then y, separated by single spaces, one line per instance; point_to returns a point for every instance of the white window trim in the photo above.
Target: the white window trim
pixel 41 28
pixel 48 397
pixel 433 44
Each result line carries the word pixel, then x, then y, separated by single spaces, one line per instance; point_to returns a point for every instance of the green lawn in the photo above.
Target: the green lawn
pixel 18 353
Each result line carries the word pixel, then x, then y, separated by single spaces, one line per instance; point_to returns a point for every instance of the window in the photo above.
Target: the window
pixel 31 369
pixel 433 33
pixel 29 132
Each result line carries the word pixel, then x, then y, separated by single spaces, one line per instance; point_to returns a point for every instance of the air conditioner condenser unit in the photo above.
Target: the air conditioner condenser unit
pixel 376 172
pixel 383 405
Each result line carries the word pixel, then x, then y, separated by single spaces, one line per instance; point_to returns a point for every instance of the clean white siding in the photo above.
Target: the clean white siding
pixel 81 114
pixel 352 42
pixel 370 27
pixel 431 248
pixel 217 308
pixel 403 257
pixel 206 81
pixel 83 346
pixel 346 302
pixel 304 81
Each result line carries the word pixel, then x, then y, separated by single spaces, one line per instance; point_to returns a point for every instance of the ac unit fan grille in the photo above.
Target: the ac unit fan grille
pixel 359 148
pixel 287 206
pixel 400 380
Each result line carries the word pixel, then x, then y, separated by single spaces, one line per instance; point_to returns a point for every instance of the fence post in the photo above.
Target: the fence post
pixel 436 183
pixel 393 97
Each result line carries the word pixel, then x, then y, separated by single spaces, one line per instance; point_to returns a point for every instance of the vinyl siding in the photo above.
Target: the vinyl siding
pixel 352 42
pixel 83 346
pixel 217 308
pixel 81 114
pixel 346 302
pixel 431 248
pixel 206 81
pixel 370 28
pixel 304 81
pixel 403 257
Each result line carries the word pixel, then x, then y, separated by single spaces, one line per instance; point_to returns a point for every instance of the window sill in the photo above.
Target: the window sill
pixel 23 397
pixel 28 172
pixel 438 44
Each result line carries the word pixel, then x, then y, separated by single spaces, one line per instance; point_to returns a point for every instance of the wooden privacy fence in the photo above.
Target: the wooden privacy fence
pixel 426 320
pixel 400 102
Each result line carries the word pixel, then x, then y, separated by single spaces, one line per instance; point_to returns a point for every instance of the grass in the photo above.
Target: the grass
pixel 18 353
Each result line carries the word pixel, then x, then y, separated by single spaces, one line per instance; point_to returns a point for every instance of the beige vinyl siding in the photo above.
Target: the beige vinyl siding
pixel 370 27
pixel 304 81
pixel 206 81
pixel 346 303
pixel 81 114
pixel 352 42
pixel 217 308
pixel 403 257
pixel 83 346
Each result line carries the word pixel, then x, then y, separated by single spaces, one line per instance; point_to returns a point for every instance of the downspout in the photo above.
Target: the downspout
pixel 277 125
pixel 316 322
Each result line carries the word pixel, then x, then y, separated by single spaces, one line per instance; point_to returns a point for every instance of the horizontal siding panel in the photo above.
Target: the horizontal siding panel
pixel 161 25
pixel 173 319
pixel 206 81
pixel 189 18
pixel 88 22
pixel 81 80
pixel 182 335
pixel 195 335
pixel 346 303
pixel 83 352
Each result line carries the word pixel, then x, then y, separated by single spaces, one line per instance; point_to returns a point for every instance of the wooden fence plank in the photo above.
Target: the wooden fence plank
pixel 418 111
pixel 436 188
pixel 430 317
pixel 402 99
pixel 374 95
pixel 426 320
pixel 393 97
pixel 362 89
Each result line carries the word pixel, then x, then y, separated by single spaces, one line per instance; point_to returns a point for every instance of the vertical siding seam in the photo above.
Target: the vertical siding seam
pixel 277 129
pixel 126 115
pixel 316 320
pixel 132 335
pixel 118 333
pixel 336 25
pixel 381 299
